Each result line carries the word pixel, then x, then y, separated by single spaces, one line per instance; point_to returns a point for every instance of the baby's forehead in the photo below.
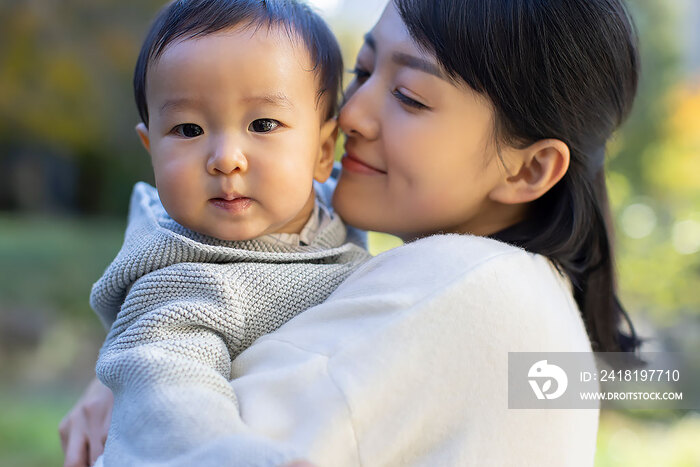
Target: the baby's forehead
pixel 267 66
pixel 293 23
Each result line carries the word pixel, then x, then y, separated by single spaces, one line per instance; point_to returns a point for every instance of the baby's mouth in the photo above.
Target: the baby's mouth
pixel 235 205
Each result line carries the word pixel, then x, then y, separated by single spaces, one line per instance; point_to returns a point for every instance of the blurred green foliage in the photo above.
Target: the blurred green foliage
pixel 654 175
pixel 630 442
pixel 29 429
pixel 50 263
pixel 65 72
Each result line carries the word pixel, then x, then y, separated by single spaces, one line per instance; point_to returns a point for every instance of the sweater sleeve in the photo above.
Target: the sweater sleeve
pixel 167 360
pixel 406 363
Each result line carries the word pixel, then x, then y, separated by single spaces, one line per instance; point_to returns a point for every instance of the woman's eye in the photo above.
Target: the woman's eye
pixel 188 130
pixel 404 99
pixel 263 125
pixel 360 73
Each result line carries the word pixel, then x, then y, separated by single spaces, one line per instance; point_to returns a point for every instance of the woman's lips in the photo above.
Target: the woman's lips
pixel 352 164
pixel 234 206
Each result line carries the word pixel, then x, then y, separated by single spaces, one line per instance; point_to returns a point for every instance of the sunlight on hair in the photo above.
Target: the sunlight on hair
pixel 325 6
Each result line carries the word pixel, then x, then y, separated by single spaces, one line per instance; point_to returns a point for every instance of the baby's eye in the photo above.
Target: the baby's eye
pixel 263 125
pixel 188 130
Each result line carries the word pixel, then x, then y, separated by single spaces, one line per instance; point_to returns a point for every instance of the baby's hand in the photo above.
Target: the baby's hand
pixel 84 429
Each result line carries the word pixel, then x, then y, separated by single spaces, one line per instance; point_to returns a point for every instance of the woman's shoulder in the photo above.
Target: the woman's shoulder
pixel 515 299
pixel 460 251
pixel 434 261
pixel 457 254
pixel 520 297
pixel 450 263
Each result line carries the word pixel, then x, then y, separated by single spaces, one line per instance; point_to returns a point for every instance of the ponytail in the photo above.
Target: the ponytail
pixel 598 299
pixel 578 240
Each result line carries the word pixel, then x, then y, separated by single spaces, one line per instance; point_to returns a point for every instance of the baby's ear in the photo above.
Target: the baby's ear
pixel 142 131
pixel 326 152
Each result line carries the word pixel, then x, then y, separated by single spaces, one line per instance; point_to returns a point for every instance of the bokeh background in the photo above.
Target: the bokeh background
pixel 69 157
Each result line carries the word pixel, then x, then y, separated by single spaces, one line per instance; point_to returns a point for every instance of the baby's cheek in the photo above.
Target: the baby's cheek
pixel 177 193
pixel 174 206
pixel 288 184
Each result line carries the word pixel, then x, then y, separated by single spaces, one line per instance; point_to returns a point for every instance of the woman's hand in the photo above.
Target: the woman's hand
pixel 84 429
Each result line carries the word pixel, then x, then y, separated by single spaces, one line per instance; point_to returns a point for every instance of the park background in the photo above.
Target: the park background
pixel 69 157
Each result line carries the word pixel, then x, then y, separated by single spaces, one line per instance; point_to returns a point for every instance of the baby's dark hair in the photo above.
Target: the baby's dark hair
pixel 185 19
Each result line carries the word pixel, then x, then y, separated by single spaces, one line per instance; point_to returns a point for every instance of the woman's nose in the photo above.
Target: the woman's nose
pixel 359 115
pixel 226 158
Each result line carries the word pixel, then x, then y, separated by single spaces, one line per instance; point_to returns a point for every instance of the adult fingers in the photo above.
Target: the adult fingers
pixel 96 445
pixel 77 449
pixel 63 429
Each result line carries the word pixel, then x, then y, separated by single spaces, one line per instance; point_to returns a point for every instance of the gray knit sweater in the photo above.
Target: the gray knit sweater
pixel 181 306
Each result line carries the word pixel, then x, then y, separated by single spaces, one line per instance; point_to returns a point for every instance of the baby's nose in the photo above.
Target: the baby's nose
pixel 227 158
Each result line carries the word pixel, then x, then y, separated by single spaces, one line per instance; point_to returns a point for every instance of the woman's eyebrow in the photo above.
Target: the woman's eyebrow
pixel 407 60
pixel 417 63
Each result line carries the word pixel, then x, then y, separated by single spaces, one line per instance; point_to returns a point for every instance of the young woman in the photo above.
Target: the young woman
pixel 486 120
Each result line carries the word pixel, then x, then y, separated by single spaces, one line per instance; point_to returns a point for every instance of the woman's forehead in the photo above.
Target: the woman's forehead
pixel 391 40
pixel 390 32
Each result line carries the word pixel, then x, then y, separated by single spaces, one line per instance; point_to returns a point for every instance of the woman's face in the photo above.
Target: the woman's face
pixel 420 157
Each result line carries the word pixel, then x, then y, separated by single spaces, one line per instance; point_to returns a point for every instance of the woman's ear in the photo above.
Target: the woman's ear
pixel 326 151
pixel 142 131
pixel 532 171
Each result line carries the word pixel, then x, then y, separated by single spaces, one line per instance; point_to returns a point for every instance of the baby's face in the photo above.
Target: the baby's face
pixel 235 133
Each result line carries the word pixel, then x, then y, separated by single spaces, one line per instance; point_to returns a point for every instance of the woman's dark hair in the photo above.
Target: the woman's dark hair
pixel 185 19
pixel 564 69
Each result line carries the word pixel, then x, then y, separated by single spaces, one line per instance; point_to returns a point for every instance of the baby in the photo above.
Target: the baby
pixel 237 100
